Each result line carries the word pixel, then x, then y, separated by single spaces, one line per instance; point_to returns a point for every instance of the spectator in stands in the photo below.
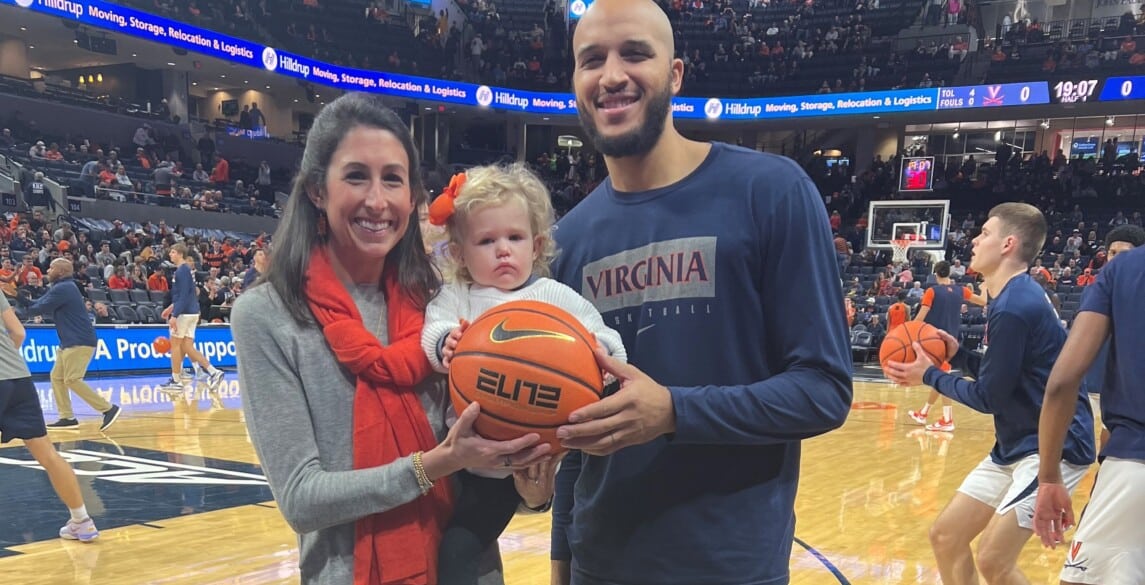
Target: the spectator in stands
pixel 158 281
pixel 36 194
pixel 916 291
pixel 8 278
pixel 6 139
pixel 119 279
pixel 37 151
pixel 122 185
pixel 221 175
pixel 142 158
pixel 100 314
pixel 136 277
pixel 164 177
pixel 143 138
pixel 53 153
pixel 1066 278
pixel 117 230
pixel 905 275
pixel 1086 278
pixel 1098 261
pixel 876 329
pixel 257 119
pixel 104 257
pixel 957 270
pixel 257 269
pixel 200 175
pixel 1073 243
pixel 28 268
pixel 263 182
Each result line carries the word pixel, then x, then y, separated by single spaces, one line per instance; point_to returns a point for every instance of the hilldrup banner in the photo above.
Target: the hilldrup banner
pixel 125 20
pixel 127 348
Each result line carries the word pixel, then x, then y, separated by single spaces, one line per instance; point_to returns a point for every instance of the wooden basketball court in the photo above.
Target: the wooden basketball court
pixel 176 492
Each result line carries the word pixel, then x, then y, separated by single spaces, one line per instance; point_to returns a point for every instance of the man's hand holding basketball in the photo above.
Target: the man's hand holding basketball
pixel 636 414
pixel 911 373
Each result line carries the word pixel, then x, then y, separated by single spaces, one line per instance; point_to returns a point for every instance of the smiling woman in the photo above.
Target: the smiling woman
pixel 340 405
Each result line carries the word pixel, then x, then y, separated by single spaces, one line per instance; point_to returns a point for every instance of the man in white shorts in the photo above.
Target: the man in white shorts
pixel 1109 545
pixel 1026 335
pixel 183 317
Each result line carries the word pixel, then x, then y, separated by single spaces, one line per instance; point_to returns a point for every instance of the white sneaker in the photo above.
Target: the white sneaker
pixel 942 425
pixel 82 531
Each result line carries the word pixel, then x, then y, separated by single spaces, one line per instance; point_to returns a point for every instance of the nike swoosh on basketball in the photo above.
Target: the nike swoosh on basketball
pixel 500 334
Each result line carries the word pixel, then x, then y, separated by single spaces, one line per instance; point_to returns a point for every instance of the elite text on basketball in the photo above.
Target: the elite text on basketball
pixel 498 384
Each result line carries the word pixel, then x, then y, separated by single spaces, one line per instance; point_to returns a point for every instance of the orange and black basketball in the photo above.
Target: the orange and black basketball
pixel 529 365
pixel 897 347
pixel 161 345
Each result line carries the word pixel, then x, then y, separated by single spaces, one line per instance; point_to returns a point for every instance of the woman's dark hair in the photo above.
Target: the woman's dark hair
pixel 297 233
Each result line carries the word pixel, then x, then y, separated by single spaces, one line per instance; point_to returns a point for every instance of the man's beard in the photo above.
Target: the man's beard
pixel 638 141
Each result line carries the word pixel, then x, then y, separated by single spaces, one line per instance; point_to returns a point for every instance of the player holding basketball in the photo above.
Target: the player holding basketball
pixel 183 317
pixel 22 418
pixel 1107 548
pixel 716 265
pixel 1119 239
pixel 941 306
pixel 1026 336
pixel 499 222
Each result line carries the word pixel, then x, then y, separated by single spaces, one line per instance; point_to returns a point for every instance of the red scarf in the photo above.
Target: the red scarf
pixel 397 547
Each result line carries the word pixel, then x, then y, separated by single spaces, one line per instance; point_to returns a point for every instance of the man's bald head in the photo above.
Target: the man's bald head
pixel 649 14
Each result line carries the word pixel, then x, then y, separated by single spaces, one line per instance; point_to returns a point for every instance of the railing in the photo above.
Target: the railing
pixel 1057 30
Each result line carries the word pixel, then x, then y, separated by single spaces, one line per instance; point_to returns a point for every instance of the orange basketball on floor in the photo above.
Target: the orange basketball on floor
pixel 161 345
pixel 529 365
pixel 897 347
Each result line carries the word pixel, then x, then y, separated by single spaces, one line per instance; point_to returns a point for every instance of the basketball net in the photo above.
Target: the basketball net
pixel 900 249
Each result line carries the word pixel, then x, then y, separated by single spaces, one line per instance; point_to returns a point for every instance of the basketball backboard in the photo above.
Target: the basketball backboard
pixel 924 222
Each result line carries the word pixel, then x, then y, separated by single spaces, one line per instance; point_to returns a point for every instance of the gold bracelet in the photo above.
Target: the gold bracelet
pixel 423 481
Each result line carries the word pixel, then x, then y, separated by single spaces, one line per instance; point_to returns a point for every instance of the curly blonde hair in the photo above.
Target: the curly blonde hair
pixel 494 185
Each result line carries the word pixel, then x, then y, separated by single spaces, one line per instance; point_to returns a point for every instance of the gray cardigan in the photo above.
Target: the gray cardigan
pixel 298 403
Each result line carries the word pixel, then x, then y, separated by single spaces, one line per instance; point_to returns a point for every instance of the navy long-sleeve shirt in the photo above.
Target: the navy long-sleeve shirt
pixel 1026 336
pixel 184 295
pixel 64 303
pixel 1117 295
pixel 725 288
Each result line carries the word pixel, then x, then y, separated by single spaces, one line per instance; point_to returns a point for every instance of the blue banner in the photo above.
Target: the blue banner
pixel 156 28
pixel 124 348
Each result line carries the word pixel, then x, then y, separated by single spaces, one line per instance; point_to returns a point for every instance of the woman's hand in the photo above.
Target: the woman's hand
pixel 537 483
pixel 463 448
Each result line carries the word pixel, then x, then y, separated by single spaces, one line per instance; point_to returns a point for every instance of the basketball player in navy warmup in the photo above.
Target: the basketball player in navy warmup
pixel 1119 239
pixel 1107 547
pixel 996 499
pixel 687 474
pixel 941 306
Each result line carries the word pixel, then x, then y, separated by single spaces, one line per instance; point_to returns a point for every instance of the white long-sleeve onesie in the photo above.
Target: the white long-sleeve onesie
pixel 469 301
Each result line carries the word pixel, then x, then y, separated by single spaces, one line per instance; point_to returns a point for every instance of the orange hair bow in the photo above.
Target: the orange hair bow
pixel 442 208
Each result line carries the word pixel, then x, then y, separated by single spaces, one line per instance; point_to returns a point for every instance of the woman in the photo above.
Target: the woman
pixel 344 422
